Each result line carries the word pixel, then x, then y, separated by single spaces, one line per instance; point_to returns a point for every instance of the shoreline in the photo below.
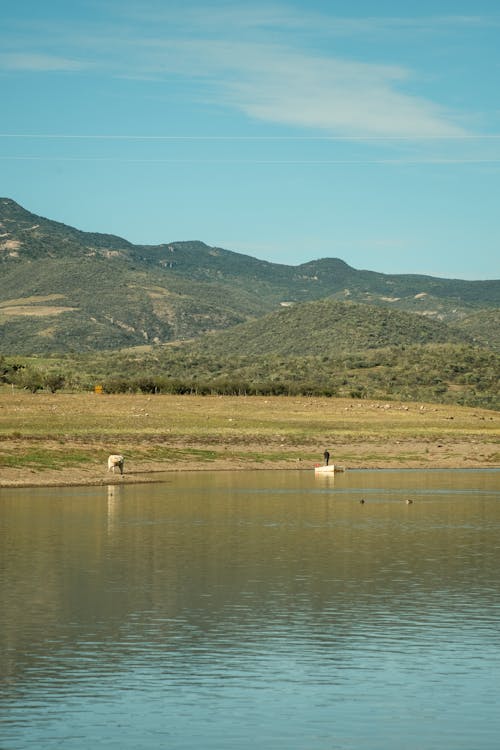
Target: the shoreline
pixel 158 472
pixel 64 439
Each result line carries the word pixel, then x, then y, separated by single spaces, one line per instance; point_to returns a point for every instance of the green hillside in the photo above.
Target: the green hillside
pixel 57 305
pixel 326 328
pixel 65 290
pixel 315 348
pixel 483 326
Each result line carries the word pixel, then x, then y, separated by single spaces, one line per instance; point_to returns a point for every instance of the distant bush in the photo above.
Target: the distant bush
pixel 54 381
pixel 443 373
pixel 30 379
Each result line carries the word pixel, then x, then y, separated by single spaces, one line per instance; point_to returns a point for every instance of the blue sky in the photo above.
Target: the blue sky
pixel 289 131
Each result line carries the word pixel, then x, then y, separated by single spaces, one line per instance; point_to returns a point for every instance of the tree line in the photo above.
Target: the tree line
pixel 457 374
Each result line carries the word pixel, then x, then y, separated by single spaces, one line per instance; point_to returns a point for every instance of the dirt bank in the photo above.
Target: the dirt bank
pixel 370 454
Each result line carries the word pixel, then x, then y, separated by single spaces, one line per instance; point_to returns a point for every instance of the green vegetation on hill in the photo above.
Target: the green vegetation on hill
pixel 185 317
pixel 115 294
pixel 440 373
pixel 327 327
pixel 483 327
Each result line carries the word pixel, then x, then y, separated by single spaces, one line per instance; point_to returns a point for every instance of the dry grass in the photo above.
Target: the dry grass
pixel 32 307
pixel 35 311
pixel 43 434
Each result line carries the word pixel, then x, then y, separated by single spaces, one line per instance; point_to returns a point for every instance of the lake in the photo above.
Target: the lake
pixel 267 609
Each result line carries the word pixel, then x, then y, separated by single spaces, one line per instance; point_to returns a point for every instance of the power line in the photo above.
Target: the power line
pixel 277 162
pixel 117 137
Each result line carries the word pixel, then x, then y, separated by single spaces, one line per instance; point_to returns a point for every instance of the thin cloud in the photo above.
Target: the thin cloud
pixel 275 162
pixel 259 61
pixel 292 88
pixel 283 17
pixel 289 86
pixel 141 137
pixel 39 63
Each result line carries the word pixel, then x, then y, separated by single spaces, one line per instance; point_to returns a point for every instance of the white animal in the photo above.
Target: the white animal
pixel 115 460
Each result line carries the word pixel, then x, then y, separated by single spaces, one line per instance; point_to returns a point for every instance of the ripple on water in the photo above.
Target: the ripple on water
pixel 254 616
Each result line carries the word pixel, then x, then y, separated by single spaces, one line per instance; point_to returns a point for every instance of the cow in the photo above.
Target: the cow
pixel 115 460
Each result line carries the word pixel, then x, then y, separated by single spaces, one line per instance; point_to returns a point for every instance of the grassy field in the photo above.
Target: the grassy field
pixel 65 438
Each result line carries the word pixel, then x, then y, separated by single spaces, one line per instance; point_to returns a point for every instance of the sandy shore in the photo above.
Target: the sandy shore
pixel 411 454
pixel 64 439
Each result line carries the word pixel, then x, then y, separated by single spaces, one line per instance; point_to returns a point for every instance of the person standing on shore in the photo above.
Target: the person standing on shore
pixel 326 454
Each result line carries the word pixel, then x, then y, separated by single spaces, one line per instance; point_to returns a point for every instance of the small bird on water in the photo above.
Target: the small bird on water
pixel 409 502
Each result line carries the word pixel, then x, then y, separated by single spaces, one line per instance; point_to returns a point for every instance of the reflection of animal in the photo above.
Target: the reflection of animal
pixel 114 461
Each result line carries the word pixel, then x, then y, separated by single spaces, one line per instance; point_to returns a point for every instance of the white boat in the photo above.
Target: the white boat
pixel 324 469
pixel 330 469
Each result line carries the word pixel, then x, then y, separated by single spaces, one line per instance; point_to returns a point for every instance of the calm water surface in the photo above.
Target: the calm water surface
pixel 253 610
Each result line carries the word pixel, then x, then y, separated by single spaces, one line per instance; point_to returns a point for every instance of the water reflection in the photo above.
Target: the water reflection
pixel 263 609
pixel 114 493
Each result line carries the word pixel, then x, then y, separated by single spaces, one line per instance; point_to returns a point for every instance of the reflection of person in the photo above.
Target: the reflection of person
pixel 327 457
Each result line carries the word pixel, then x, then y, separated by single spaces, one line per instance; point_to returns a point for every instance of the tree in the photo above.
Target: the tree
pixel 54 381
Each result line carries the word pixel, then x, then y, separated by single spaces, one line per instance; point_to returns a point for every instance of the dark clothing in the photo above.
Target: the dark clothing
pixel 327 457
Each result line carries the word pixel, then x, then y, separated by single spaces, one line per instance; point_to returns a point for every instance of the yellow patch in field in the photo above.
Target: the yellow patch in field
pixel 33 311
pixel 31 300
pixel 23 307
pixel 10 245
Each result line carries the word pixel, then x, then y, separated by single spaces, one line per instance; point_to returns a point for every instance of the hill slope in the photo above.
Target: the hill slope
pixel 62 289
pixel 327 327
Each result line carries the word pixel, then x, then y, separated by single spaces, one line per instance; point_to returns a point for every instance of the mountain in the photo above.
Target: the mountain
pixel 65 290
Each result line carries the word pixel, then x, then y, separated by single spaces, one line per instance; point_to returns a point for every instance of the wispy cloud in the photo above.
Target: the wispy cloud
pixel 291 87
pixel 39 62
pixel 283 17
pixel 260 61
